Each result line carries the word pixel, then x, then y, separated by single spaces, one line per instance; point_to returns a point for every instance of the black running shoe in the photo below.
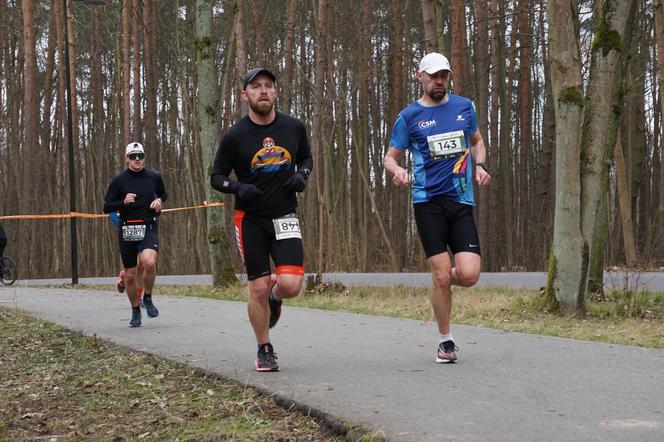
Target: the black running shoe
pixel 445 353
pixel 266 359
pixel 150 307
pixel 135 318
pixel 275 307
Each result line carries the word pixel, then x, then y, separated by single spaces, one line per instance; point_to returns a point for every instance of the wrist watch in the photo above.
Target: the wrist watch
pixel 305 172
pixel 483 166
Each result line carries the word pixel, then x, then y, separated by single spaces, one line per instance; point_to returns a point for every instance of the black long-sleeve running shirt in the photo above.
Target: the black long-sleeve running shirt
pixel 264 156
pixel 146 184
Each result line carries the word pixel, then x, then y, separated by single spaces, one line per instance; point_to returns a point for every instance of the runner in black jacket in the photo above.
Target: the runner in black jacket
pixel 138 194
pixel 271 157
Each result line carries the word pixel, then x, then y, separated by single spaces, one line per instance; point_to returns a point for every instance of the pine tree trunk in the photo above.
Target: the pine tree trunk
pixel 430 26
pixel 659 33
pixel 136 134
pixel 125 111
pixel 625 209
pixel 459 57
pixel 525 133
pixel 152 147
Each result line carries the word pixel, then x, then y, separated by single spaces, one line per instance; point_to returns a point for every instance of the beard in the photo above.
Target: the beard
pixel 436 95
pixel 261 107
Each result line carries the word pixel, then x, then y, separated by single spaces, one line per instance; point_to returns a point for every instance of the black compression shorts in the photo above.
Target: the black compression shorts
pixel 256 241
pixel 442 222
pixel 129 250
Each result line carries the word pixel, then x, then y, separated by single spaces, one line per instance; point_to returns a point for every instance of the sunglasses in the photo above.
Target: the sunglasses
pixel 136 156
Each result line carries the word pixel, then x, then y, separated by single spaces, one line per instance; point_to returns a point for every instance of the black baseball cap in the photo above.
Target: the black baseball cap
pixel 249 77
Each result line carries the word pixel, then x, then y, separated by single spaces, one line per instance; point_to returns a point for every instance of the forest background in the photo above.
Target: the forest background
pixel 346 68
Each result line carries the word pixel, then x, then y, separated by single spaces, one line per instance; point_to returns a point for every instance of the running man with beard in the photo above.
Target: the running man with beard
pixel 448 153
pixel 271 157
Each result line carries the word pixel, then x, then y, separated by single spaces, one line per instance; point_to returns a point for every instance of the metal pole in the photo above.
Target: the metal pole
pixel 70 149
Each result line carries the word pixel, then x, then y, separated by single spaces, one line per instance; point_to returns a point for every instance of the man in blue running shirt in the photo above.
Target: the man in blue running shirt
pixel 440 131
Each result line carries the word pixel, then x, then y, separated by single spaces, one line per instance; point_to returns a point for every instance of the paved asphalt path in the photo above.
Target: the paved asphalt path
pixel 653 281
pixel 380 372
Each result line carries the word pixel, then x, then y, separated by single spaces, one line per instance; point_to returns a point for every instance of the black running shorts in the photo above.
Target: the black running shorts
pixel 256 241
pixel 129 250
pixel 442 222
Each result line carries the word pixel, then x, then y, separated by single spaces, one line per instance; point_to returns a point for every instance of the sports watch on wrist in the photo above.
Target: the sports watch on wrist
pixel 305 172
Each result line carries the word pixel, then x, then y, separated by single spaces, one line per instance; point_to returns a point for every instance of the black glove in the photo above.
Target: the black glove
pixel 246 192
pixel 297 182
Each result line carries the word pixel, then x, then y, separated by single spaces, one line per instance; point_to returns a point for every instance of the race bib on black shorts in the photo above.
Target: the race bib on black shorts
pixel 286 227
pixel 133 232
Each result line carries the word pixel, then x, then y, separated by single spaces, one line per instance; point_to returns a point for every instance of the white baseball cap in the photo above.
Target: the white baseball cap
pixel 134 147
pixel 434 62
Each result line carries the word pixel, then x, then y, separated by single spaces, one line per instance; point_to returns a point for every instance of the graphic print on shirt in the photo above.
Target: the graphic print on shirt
pixel 459 178
pixel 271 158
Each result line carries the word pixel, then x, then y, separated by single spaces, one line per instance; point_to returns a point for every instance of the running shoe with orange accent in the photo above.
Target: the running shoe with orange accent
pixel 266 358
pixel 446 353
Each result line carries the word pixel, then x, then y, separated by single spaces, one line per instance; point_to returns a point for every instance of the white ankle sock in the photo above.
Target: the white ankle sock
pixel 442 338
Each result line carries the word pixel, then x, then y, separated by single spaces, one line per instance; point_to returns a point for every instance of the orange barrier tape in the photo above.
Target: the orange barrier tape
pixel 102 215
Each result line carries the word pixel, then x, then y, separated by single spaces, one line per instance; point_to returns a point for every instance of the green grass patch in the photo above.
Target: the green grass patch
pixel 60 385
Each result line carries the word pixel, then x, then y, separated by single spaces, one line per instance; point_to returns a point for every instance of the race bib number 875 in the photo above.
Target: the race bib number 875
pixel 286 227
pixel 450 144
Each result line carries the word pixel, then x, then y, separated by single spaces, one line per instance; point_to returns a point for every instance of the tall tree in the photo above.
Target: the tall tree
pixel 152 146
pixel 606 60
pixel 524 12
pixel 30 139
pixel 659 32
pixel 240 48
pixel 287 92
pixel 218 244
pixel 318 142
pixel 459 59
pixel 126 69
pixel 566 276
pixel 430 25
pixel 136 130
pixel 482 68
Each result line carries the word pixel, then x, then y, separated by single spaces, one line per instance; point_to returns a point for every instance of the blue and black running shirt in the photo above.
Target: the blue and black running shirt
pixel 438 138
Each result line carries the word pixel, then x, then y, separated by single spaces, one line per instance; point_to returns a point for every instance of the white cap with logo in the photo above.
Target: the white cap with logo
pixel 134 148
pixel 434 62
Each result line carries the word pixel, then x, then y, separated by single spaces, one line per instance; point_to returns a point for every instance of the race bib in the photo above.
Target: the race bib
pixel 286 227
pixel 134 232
pixel 450 144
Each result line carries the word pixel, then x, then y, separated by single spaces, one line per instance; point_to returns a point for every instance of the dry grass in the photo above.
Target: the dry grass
pixel 59 385
pixel 506 309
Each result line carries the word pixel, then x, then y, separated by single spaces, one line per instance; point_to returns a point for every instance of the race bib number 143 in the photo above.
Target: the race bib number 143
pixel 450 144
